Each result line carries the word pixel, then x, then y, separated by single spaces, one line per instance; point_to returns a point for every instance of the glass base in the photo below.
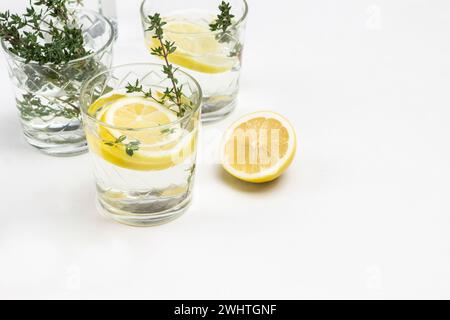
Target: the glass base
pixel 213 112
pixel 143 219
pixel 59 150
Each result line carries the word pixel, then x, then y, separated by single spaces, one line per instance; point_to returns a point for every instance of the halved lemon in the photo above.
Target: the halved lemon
pixel 259 147
pixel 143 124
pixel 197 47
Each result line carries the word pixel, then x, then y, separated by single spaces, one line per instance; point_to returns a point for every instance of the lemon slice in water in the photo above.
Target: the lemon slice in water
pixel 197 47
pixel 162 142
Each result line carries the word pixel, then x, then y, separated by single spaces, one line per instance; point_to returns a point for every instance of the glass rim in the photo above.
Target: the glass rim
pixel 107 45
pixel 236 24
pixel 84 107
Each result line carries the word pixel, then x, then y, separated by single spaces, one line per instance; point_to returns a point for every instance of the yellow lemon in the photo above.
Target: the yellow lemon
pixel 259 147
pixel 96 108
pixel 197 48
pixel 160 143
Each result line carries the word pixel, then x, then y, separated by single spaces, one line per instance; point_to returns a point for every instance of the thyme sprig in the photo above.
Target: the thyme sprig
pixel 165 48
pixel 191 176
pixel 138 88
pixel 223 23
pixel 45 33
pixel 130 147
pixel 31 107
pixel 224 19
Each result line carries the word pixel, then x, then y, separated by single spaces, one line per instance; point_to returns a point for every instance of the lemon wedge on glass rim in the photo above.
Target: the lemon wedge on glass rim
pixel 259 147
pixel 162 142
pixel 197 47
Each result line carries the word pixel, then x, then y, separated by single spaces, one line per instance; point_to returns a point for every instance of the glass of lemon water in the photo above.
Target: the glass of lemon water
pixel 144 153
pixel 214 58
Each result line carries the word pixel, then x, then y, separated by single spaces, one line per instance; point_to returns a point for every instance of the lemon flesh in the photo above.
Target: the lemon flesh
pixel 197 47
pixel 259 147
pixel 142 120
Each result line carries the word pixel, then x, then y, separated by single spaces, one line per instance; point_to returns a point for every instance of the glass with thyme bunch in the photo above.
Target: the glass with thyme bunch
pixel 209 38
pixel 51 49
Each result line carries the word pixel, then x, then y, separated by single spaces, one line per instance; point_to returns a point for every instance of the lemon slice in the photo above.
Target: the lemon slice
pixel 197 48
pixel 138 113
pixel 259 147
pixel 97 108
pixel 142 121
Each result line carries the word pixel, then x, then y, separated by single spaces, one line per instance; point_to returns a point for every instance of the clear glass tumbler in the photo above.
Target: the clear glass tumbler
pixel 107 8
pixel 47 95
pixel 214 58
pixel 144 154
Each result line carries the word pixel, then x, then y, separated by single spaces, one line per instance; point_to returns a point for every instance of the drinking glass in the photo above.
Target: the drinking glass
pixel 144 175
pixel 47 95
pixel 108 8
pixel 214 58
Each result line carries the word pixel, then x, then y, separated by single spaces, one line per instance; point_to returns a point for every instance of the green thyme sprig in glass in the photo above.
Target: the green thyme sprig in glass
pixel 31 107
pixel 222 24
pixel 138 88
pixel 224 19
pixel 165 48
pixel 46 33
pixel 130 147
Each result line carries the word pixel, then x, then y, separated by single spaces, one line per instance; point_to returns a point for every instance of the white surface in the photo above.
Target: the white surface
pixel 364 212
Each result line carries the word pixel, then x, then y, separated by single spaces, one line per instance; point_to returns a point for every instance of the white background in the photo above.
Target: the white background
pixel 364 211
